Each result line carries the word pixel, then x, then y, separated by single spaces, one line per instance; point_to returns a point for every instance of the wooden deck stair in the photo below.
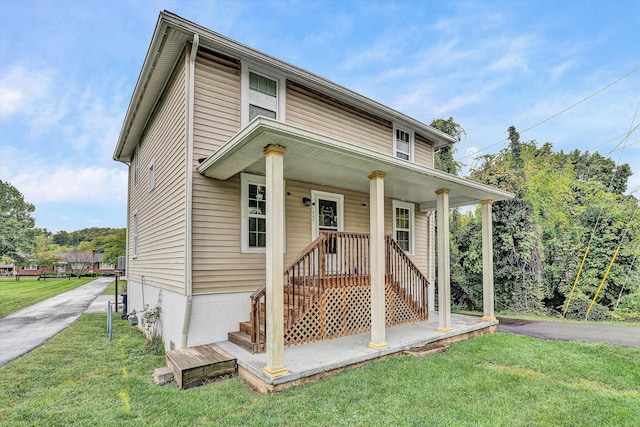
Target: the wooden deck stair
pixel 327 292
pixel 195 365
pixel 242 338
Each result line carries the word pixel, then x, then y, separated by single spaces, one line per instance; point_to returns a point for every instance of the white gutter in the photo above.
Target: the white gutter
pixel 189 226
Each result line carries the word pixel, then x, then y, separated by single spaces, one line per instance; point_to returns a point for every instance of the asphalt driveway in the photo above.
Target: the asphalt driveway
pixel 26 329
pixel 627 336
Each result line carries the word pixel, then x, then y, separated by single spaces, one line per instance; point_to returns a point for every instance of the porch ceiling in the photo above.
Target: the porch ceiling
pixel 318 159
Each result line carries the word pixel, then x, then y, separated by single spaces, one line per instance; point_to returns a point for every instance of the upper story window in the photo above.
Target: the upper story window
pixel 262 95
pixel 403 219
pixel 403 144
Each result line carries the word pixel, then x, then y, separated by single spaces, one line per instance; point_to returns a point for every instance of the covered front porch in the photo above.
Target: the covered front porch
pixel 280 151
pixel 323 358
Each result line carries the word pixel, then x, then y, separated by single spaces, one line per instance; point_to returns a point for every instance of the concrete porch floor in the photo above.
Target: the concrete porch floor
pixel 319 359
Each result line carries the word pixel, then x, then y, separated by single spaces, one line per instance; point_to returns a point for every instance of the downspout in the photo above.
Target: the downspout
pixel 188 232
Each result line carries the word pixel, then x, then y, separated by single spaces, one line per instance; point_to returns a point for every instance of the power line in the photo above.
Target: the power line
pixel 557 114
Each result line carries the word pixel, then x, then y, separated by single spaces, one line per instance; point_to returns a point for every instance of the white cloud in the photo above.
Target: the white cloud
pixel 82 185
pixel 22 89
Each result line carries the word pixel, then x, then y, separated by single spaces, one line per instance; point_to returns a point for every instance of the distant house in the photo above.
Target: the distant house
pixel 258 190
pixel 7 269
pixel 70 262
pixel 84 262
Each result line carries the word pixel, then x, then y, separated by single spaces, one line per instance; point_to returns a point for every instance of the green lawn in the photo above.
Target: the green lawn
pixel 111 289
pixel 80 378
pixel 29 290
pixel 549 318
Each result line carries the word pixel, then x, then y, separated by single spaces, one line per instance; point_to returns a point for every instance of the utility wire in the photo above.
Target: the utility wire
pixel 613 175
pixel 557 114
pixel 595 227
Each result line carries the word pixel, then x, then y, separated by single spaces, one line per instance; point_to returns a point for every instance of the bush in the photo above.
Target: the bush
pixel 580 304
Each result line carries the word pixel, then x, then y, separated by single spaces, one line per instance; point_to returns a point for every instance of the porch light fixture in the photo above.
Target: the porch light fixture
pixel 306 201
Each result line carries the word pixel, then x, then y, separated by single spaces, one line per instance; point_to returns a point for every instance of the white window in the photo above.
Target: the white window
pixel 104 266
pixel 402 144
pixel 32 267
pixel 403 220
pixel 134 234
pixel 254 213
pixel 262 95
pixel 136 167
pixel 152 177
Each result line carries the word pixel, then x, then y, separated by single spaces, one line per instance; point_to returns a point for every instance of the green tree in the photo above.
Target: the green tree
pixel 113 245
pixel 444 156
pixel 17 226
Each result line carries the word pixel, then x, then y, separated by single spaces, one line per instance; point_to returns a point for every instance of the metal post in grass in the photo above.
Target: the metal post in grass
pixel 109 319
pixel 116 292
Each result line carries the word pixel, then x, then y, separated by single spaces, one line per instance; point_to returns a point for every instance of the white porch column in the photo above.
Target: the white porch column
pixel 377 260
pixel 487 261
pixel 431 268
pixel 274 181
pixel 444 262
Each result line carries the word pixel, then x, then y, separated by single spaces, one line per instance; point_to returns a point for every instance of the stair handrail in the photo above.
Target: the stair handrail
pixel 303 279
pixel 408 278
pixel 256 302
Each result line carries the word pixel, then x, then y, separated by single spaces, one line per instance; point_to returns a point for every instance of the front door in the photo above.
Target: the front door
pixel 328 215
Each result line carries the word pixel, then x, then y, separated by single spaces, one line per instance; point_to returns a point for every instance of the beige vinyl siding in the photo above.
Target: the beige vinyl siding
pixel 310 110
pixel 218 265
pixel 356 219
pixel 222 268
pixel 161 211
pixel 423 151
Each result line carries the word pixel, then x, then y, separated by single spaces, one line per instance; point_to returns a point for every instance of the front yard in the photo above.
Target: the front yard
pixel 80 378
pixel 15 295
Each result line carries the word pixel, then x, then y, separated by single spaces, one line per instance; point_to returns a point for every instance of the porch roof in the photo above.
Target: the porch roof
pixel 319 159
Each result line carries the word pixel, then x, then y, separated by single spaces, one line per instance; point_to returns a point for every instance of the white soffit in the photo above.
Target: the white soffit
pixel 318 159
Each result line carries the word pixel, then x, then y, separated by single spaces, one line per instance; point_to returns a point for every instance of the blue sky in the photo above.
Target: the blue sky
pixel 68 68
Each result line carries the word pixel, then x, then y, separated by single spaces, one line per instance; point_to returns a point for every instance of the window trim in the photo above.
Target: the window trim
pixel 281 91
pixel 397 127
pixel 245 180
pixel 411 208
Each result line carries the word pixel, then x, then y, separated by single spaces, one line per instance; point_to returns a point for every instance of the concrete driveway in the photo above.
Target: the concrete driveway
pixel 627 336
pixel 26 329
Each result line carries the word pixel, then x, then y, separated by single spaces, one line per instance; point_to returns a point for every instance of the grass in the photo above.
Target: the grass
pixel 549 318
pixel 111 289
pixel 80 378
pixel 17 295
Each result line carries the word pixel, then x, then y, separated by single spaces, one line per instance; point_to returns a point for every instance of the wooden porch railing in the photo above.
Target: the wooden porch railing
pixel 406 277
pixel 335 260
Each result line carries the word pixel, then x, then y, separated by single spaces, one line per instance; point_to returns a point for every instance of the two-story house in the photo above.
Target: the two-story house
pixel 265 198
